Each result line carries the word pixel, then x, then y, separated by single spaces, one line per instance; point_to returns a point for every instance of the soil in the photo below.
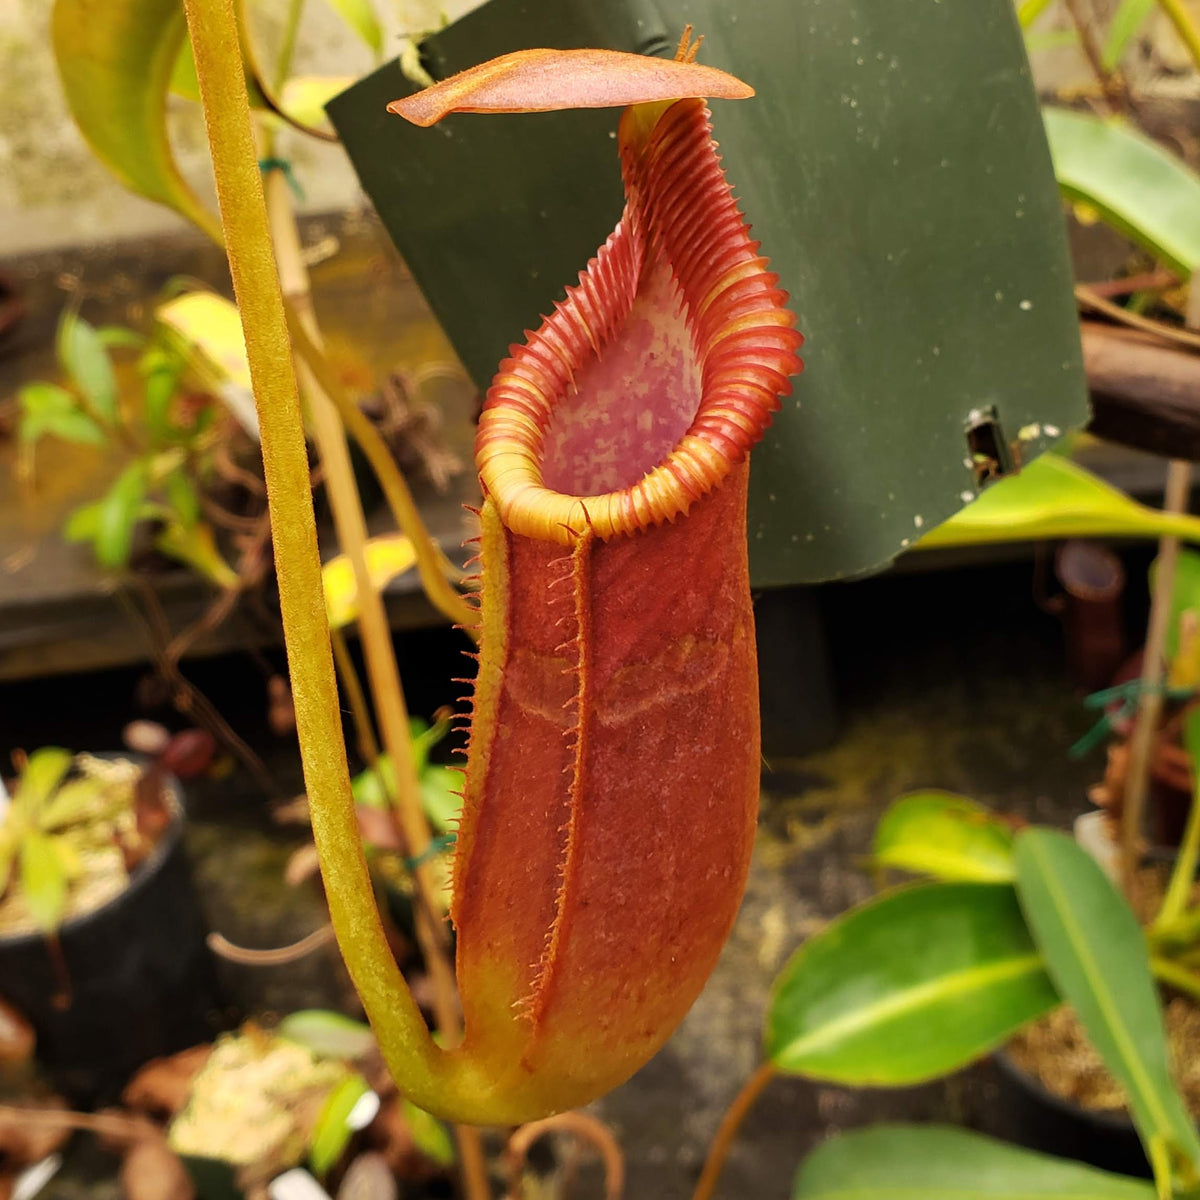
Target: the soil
pixel 1056 1051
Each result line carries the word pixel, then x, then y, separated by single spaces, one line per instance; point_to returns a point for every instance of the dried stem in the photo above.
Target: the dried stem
pixel 221 946
pixel 368 746
pixel 434 568
pixel 731 1122
pixel 580 1125
pixel 420 1067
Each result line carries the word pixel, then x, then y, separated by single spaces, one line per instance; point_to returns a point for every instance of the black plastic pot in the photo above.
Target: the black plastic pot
pixel 1049 1123
pixel 142 982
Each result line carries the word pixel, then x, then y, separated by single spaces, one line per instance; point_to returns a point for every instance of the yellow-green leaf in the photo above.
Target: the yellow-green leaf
pixel 429 1135
pixel 333 1129
pixel 946 836
pixel 361 17
pixel 43 880
pixel 43 772
pixel 387 557
pixel 1135 185
pixel 304 97
pixel 116 59
pixel 197 548
pixel 1055 498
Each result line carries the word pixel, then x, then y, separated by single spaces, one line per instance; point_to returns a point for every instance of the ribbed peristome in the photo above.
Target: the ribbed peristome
pixel 681 215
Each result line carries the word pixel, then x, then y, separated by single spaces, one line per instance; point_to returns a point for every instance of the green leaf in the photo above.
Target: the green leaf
pixel 361 17
pixel 1135 185
pixel 1185 597
pixel 331 1134
pixel 1030 10
pixel 946 836
pixel 441 797
pixel 118 516
pixel 182 497
pixel 1055 498
pixel 183 74
pixel 84 523
pixel 1122 29
pixel 197 548
pixel 429 1135
pixel 118 337
pixel 43 880
pixel 328 1034
pixel 47 408
pixel 161 371
pixel 72 802
pixel 43 772
pixel 928 1162
pixel 1095 951
pixel 84 358
pixel 909 986
pixel 116 61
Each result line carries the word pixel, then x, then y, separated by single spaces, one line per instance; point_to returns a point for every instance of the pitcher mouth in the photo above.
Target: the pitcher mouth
pixel 658 371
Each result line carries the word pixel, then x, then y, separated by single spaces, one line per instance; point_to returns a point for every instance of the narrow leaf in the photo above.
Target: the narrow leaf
pixel 161 371
pixel 182 497
pixel 913 984
pixel 84 523
pixel 546 80
pixel 1095 951
pixel 429 1135
pixel 47 408
pixel 196 547
pixel 1123 28
pixel 116 61
pixel 387 557
pixel 1055 498
pixel 332 1132
pixel 1185 599
pixel 1030 10
pixel 441 795
pixel 118 515
pixel 43 880
pixel 118 337
pixel 85 359
pixel 946 836
pixel 361 17
pixel 328 1034
pixel 1135 185
pixel 43 773
pixel 928 1162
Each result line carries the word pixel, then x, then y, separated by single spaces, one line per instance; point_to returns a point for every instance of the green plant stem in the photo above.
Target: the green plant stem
pixel 1150 705
pixel 421 1069
pixel 731 1122
pixel 1177 13
pixel 1172 974
pixel 1183 875
pixel 434 568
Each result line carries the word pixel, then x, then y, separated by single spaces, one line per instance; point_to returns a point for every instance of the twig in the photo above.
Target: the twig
pixel 368 746
pixel 580 1125
pixel 731 1122
pixel 1116 94
pixel 1171 333
pixel 1147 281
pixel 220 945
pixel 103 1124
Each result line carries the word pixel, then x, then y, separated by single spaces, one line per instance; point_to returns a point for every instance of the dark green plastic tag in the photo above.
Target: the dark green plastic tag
pixel 894 166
